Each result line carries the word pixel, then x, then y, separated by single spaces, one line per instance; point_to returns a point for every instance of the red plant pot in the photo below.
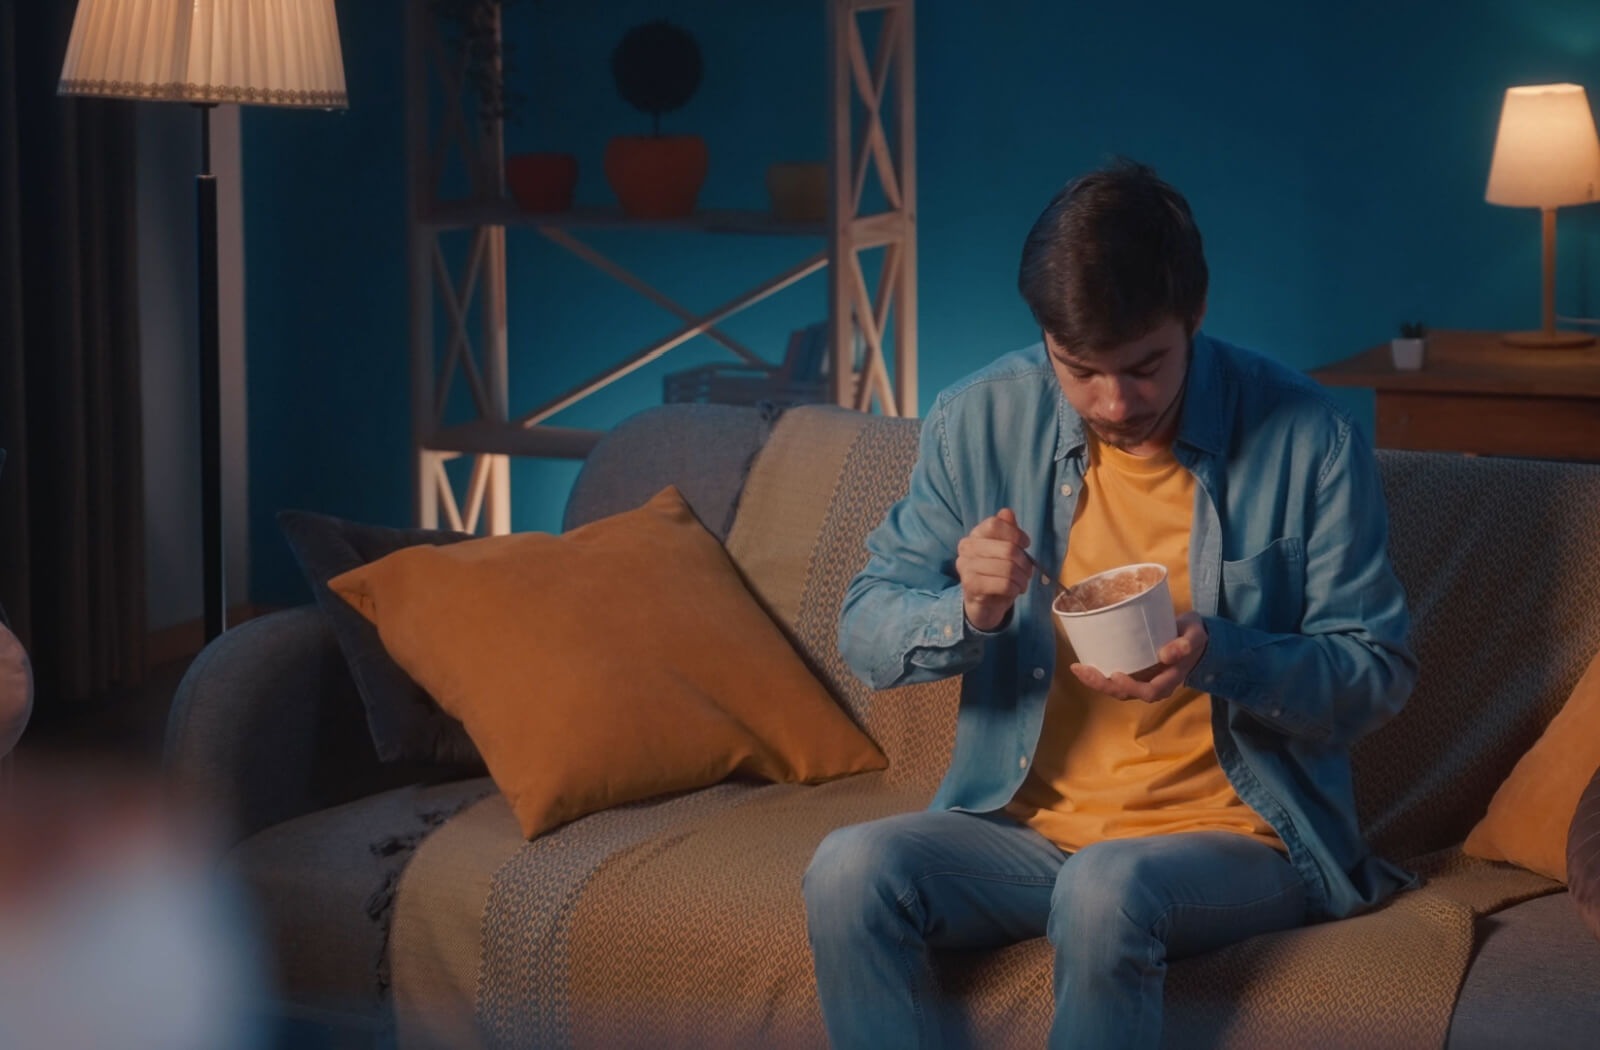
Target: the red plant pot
pixel 542 182
pixel 657 177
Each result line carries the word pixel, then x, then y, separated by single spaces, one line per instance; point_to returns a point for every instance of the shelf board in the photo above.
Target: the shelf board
pixel 481 437
pixel 462 214
pixel 1470 362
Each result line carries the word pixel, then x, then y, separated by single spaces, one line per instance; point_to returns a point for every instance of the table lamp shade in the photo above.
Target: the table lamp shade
pixel 1546 154
pixel 261 52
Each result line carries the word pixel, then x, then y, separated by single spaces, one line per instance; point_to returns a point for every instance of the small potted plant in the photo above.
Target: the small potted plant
pixel 1407 348
pixel 657 70
pixel 472 33
pixel 541 182
pixel 799 191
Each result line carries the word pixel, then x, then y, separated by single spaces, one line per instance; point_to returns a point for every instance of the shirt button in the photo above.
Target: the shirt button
pixel 1066 490
pixel 1275 712
pixel 1210 679
pixel 1022 763
pixel 1038 672
pixel 1044 579
pixel 948 630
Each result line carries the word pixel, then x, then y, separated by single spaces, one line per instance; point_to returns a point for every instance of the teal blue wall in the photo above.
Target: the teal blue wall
pixel 1335 155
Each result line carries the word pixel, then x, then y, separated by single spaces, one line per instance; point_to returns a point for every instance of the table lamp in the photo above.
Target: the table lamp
pixel 204 52
pixel 1546 156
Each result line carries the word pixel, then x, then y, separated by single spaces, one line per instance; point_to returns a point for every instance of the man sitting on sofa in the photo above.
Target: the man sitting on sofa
pixel 1130 821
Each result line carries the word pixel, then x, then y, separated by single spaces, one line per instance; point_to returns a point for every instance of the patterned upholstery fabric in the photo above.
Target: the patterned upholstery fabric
pixel 679 922
pixel 851 469
pixel 1501 565
pixel 703 449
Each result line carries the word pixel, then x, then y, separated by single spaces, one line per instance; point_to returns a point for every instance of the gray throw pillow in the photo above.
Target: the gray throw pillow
pixel 1583 855
pixel 405 722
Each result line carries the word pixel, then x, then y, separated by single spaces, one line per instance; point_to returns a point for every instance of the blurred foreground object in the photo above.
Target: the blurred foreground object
pixel 115 929
pixel 16 694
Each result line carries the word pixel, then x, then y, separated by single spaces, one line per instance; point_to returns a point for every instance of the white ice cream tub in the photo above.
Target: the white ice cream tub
pixel 1127 635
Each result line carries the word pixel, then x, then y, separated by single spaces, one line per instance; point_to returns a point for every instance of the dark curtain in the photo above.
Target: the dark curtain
pixel 71 492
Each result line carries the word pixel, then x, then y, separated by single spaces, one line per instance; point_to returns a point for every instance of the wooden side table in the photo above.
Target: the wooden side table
pixel 1476 394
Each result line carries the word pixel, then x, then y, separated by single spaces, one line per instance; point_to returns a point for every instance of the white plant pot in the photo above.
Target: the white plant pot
pixel 1407 353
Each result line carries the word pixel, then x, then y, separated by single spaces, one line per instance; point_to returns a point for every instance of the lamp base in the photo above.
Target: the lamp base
pixel 1548 340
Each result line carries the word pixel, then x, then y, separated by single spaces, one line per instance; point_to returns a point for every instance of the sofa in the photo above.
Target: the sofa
pixel 402 905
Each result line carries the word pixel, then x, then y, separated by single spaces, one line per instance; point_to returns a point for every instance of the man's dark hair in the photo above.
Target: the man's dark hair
pixel 1115 254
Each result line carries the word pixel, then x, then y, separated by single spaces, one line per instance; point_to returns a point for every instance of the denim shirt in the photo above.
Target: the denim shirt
pixel 1288 565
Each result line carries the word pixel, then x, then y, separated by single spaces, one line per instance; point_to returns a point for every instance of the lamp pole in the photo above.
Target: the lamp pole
pixel 214 580
pixel 283 53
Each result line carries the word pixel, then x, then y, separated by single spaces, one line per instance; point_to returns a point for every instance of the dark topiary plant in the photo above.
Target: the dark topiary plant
pixel 657 68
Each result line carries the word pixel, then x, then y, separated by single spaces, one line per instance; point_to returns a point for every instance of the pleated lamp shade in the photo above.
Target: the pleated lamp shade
pixel 260 52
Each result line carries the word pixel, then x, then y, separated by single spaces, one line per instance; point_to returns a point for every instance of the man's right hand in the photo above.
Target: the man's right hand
pixel 993 569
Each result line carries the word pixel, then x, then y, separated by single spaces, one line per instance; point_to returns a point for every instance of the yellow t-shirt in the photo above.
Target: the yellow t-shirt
pixel 1108 768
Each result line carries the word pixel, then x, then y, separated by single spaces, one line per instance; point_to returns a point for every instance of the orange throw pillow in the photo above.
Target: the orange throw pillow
pixel 622 660
pixel 1529 816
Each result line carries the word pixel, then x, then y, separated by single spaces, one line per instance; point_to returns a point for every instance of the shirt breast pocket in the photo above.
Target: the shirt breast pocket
pixel 1267 590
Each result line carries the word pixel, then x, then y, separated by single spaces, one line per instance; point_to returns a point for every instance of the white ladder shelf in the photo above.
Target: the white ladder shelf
pixel 885 378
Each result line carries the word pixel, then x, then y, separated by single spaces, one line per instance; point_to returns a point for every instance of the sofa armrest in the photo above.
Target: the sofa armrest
pixel 268 725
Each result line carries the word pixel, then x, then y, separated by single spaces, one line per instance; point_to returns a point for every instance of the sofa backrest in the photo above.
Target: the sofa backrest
pixel 1500 559
pixel 704 450
pixel 825 479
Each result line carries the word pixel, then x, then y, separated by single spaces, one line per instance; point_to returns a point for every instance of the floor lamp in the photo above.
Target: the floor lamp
pixel 205 52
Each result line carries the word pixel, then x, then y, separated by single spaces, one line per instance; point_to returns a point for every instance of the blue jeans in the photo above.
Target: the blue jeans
pixel 880 896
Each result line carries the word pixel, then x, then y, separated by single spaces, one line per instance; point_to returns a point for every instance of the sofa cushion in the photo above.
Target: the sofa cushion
pixel 322 888
pixel 1532 982
pixel 1583 855
pixel 1530 814
pixel 578 938
pixel 405 723
pixel 621 660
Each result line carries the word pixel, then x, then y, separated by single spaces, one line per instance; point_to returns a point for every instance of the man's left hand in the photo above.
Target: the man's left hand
pixel 1177 657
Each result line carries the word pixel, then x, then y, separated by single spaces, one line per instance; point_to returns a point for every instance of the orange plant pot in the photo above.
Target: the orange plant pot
pixel 542 182
pixel 657 177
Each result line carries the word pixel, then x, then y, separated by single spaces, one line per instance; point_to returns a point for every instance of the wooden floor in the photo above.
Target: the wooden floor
pixel 124 725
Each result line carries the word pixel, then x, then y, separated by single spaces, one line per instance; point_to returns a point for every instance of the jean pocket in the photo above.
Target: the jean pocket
pixel 1267 590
